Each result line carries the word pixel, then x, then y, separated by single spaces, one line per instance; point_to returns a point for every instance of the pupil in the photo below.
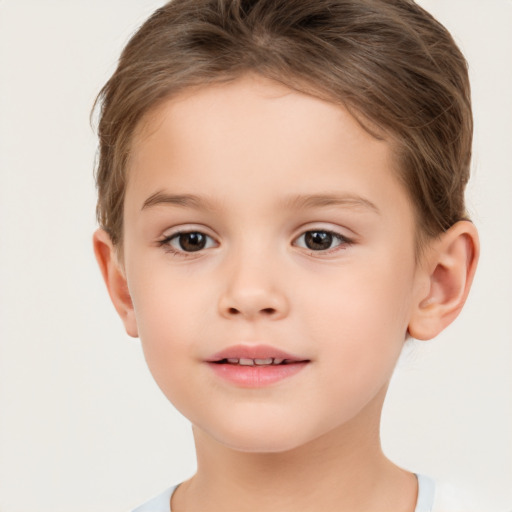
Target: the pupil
pixel 318 240
pixel 192 241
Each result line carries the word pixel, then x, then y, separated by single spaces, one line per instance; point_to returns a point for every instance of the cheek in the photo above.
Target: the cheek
pixel 172 320
pixel 167 304
pixel 361 322
pixel 369 301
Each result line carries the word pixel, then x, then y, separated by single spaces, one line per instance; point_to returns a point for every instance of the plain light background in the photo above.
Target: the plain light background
pixel 83 427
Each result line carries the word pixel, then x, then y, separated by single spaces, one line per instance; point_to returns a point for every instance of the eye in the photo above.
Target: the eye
pixel 187 242
pixel 321 240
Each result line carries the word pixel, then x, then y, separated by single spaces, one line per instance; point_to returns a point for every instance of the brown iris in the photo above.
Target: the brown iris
pixel 318 240
pixel 191 242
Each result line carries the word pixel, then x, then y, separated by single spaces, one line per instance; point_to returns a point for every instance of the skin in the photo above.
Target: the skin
pixel 249 148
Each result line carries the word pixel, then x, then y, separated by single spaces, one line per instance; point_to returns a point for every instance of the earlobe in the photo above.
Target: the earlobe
pixel 446 278
pixel 115 279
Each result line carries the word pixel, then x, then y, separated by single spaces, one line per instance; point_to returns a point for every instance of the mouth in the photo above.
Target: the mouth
pixel 254 366
pixel 254 355
pixel 246 361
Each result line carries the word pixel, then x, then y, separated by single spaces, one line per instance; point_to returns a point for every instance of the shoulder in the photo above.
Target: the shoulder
pixel 159 503
pixel 450 498
pixel 443 497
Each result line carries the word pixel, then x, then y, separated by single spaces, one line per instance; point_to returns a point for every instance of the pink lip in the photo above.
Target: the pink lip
pixel 255 376
pixel 252 352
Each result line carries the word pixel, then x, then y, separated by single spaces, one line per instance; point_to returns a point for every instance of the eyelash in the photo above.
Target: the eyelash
pixel 343 242
pixel 166 243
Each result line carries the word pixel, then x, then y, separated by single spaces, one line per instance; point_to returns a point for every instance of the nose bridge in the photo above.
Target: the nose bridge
pixel 251 285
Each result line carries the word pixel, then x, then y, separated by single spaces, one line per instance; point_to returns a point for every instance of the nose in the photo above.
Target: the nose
pixel 250 292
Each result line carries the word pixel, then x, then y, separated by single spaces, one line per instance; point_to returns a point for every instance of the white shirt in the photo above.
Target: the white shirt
pixel 431 498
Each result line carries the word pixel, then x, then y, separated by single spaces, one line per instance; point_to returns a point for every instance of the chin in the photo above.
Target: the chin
pixel 258 446
pixel 261 440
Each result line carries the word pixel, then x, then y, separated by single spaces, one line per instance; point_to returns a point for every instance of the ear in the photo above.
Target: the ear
pixel 114 277
pixel 445 278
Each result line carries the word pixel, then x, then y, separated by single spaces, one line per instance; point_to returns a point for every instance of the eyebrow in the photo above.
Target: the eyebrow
pixel 296 202
pixel 185 200
pixel 304 201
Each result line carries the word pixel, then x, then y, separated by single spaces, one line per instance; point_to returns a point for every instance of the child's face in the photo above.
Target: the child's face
pixel 274 174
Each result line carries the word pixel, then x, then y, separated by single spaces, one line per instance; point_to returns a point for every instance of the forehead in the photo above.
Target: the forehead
pixel 255 136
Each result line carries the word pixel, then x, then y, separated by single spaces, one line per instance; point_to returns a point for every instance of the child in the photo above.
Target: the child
pixel 281 202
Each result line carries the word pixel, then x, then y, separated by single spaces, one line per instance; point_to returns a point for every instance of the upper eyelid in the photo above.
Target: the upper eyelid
pixel 331 232
pixel 171 236
pixel 177 230
pixel 339 231
pixel 302 230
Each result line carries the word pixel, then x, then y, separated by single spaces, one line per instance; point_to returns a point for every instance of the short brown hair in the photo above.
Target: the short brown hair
pixel 388 61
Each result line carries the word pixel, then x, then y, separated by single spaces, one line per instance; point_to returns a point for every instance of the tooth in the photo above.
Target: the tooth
pixel 246 362
pixel 263 361
pixel 232 361
pixel 277 361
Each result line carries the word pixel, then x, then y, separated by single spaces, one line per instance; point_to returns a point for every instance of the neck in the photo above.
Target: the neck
pixel 343 470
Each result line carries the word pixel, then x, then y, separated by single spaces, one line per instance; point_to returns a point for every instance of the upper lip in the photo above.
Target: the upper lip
pixel 253 352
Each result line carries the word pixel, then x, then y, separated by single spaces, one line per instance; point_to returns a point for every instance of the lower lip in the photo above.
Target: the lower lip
pixel 256 376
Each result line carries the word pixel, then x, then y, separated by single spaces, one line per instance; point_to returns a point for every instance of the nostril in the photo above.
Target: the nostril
pixel 265 311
